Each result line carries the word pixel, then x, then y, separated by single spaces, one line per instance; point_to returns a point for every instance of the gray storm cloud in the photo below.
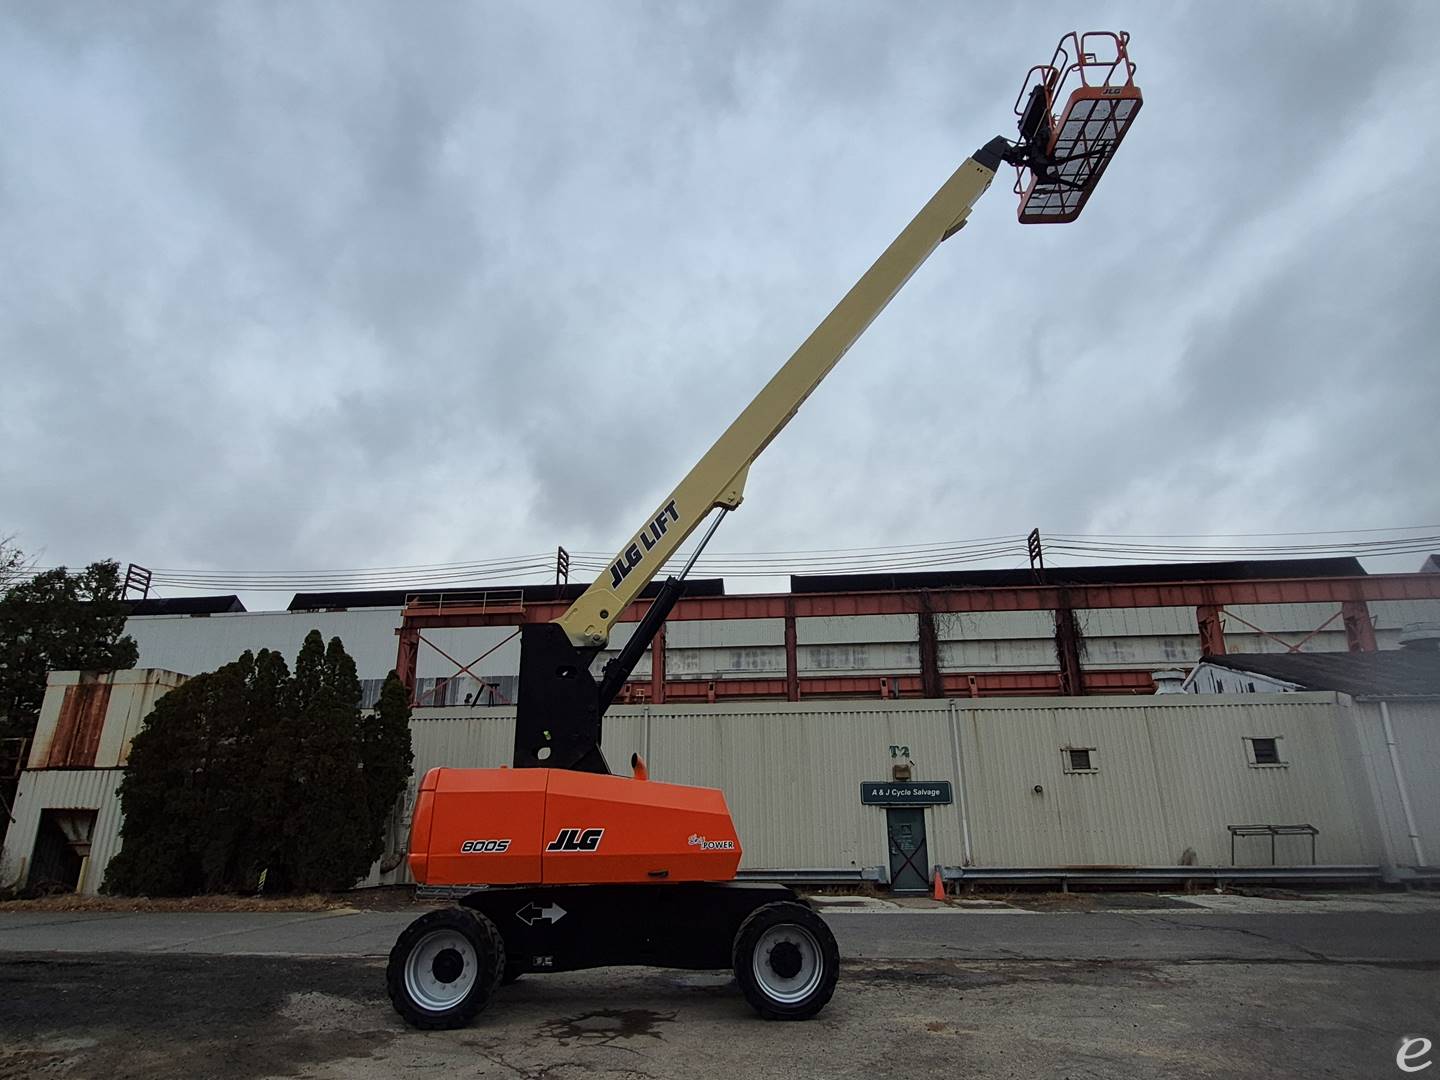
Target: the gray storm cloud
pixel 326 285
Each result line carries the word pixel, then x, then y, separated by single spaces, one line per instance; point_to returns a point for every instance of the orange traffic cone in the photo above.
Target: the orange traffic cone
pixel 939 885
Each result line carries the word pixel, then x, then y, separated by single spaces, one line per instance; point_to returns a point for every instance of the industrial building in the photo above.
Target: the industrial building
pixel 1001 727
pixel 984 633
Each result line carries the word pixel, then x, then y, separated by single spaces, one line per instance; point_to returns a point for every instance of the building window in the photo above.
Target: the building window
pixel 1264 751
pixel 1079 759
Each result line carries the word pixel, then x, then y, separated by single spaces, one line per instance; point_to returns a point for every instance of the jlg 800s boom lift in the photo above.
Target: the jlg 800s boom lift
pixel 573 867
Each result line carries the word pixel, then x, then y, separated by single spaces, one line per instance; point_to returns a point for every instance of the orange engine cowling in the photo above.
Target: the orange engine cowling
pixel 560 827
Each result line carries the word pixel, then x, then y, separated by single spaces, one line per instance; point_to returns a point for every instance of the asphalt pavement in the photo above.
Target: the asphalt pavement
pixel 1220 988
pixel 1410 934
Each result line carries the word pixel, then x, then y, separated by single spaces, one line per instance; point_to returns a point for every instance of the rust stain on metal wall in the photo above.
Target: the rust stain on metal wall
pixel 77 732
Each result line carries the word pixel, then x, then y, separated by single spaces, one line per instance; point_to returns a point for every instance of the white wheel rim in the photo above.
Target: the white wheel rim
pixel 788 989
pixel 437 991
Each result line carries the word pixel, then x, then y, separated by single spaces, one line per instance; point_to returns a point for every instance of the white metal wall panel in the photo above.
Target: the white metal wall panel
pixel 1213 679
pixel 792 773
pixel 997 654
pixel 1170 775
pixel 1417 743
pixel 1207 783
pixel 1142 652
pixel 1140 622
pixel 1240 640
pixel 191 645
pixel 1298 619
pixel 724 633
pixel 1108 817
pixel 1397 614
pixel 740 661
pixel 847 629
pixel 64 789
pixel 133 694
pixel 872 658
pixel 985 625
pixel 1416 725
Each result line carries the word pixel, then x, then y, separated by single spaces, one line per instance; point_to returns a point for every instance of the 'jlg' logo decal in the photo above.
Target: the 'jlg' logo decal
pixel 647 538
pixel 473 847
pixel 576 840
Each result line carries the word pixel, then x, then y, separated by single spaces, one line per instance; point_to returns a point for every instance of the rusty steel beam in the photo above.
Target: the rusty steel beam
pixel 1359 630
pixel 1067 647
pixel 657 667
pixel 792 655
pixel 929 643
pixel 407 658
pixel 953 684
pixel 1014 598
pixel 1212 629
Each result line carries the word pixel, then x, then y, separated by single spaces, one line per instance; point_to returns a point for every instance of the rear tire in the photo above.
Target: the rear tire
pixel 786 961
pixel 444 968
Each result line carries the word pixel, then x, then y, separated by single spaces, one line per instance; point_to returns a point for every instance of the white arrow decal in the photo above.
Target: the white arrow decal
pixel 532 913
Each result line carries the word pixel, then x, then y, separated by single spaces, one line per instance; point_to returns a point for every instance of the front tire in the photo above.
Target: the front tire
pixel 786 961
pixel 444 968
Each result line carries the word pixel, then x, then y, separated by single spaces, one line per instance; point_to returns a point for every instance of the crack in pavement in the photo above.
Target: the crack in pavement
pixel 1176 924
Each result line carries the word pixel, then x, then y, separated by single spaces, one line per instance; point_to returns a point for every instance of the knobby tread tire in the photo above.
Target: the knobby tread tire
pixel 489 948
pixel 742 954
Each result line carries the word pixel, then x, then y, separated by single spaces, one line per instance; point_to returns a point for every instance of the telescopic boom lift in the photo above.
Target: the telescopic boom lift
pixel 574 867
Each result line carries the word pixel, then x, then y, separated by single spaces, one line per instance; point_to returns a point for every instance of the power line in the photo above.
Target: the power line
pixel 1138 547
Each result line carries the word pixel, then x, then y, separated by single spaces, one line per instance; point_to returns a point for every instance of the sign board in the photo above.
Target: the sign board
pixel 905 792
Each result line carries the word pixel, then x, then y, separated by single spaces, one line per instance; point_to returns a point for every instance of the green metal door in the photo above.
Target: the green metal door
pixel 909 865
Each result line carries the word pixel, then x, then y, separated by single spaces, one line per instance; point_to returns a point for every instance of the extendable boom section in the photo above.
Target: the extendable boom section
pixel 718 479
pixel 559 706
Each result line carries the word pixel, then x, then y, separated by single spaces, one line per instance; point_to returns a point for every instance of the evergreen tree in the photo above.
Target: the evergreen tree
pixel 386 756
pixel 58 621
pixel 179 789
pixel 250 771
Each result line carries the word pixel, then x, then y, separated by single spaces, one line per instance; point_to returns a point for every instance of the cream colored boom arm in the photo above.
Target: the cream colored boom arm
pixel 718 479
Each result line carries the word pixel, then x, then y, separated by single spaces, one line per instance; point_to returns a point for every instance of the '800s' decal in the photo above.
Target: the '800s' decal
pixel 484 847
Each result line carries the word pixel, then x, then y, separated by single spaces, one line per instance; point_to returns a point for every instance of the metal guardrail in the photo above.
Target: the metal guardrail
pixel 816 876
pixel 1040 875
pixel 1121 875
pixel 850 875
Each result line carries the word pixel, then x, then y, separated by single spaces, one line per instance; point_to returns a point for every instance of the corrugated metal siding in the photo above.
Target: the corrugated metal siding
pixel 191 645
pixel 724 633
pixel 69 789
pixel 1207 783
pixel 987 625
pixel 1003 655
pixel 77 730
pixel 1417 742
pixel 88 720
pixel 1140 622
pixel 1172 773
pixel 1396 614
pixel 848 629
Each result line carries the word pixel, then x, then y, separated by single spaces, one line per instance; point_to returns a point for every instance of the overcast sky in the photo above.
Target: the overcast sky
pixel 339 285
